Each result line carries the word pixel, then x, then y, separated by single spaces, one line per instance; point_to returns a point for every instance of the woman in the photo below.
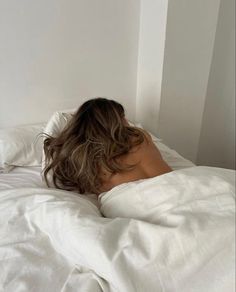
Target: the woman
pixel 98 150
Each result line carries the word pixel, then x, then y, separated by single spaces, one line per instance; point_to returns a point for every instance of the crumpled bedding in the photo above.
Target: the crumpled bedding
pixel 170 233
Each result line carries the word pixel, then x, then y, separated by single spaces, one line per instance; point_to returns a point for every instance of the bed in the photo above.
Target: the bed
pixel 170 233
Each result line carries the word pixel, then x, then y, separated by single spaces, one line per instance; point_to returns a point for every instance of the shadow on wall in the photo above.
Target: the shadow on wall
pixel 217 141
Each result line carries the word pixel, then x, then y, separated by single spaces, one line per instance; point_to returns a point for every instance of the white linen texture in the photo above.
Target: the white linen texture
pixel 20 146
pixel 170 233
pixel 23 145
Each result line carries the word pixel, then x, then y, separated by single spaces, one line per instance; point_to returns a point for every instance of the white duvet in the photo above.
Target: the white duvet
pixel 170 233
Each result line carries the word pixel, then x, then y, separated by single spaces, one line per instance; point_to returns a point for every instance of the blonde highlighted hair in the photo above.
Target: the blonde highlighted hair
pixel 94 139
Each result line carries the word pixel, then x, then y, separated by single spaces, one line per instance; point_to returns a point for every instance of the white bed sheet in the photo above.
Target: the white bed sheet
pixel 30 260
pixel 29 177
pixel 22 177
pixel 180 239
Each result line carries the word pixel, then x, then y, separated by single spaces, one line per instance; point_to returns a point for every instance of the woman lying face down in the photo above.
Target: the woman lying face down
pixel 99 150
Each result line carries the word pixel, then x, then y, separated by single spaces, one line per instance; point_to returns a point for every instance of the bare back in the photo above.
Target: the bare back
pixel 147 160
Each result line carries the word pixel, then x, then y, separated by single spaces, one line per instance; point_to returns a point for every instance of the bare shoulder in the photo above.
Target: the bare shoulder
pixel 147 136
pixel 151 158
pixel 145 149
pixel 148 148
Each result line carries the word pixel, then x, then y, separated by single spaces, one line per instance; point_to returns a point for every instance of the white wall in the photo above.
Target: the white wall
pixel 153 17
pixel 217 141
pixel 54 53
pixel 190 34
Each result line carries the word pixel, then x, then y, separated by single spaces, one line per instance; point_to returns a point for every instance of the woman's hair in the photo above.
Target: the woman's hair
pixel 93 139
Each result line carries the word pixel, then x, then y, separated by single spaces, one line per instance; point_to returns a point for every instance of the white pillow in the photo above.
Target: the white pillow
pixel 55 125
pixel 20 146
pixel 58 121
